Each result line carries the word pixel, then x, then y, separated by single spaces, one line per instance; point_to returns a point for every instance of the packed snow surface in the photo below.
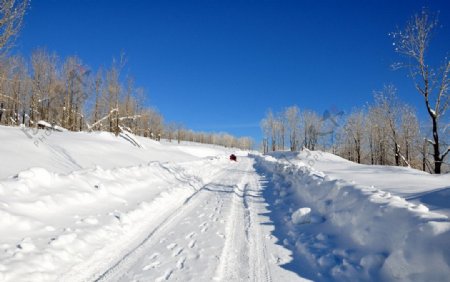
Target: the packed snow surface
pixel 96 207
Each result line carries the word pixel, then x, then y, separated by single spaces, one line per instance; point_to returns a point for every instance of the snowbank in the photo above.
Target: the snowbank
pixel 56 227
pixel 364 234
pixel 414 185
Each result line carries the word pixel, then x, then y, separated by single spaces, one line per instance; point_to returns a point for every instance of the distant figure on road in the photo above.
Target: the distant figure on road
pixel 233 157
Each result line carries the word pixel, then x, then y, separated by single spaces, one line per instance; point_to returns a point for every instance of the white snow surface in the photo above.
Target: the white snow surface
pixel 413 185
pixel 96 207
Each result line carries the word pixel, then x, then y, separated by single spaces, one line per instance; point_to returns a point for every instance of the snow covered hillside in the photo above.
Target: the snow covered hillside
pixel 95 207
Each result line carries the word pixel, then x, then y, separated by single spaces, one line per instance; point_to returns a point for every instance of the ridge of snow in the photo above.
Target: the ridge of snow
pixel 57 227
pixel 365 233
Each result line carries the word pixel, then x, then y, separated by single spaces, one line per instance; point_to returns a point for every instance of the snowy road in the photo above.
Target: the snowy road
pixel 215 235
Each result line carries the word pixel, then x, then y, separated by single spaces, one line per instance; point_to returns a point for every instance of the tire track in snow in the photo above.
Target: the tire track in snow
pixel 132 256
pixel 193 244
pixel 258 251
pixel 233 265
pixel 244 256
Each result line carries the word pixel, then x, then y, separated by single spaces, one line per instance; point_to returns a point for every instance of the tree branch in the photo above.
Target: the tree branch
pixel 445 154
pixel 102 119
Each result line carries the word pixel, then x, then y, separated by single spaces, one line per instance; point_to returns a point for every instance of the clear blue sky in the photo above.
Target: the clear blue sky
pixel 219 65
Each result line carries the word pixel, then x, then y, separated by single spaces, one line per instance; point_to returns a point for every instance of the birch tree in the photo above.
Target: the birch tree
pixel 311 125
pixel 292 116
pixel 431 83
pixel 354 129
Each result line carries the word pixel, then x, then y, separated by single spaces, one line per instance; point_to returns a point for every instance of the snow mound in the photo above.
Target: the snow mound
pixel 55 227
pixel 302 216
pixel 365 234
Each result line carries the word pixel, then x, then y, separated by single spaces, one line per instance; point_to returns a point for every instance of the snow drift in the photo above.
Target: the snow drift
pixel 364 234
pixel 56 226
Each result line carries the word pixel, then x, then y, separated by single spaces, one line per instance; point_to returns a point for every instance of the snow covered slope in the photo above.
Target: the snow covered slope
pixel 64 152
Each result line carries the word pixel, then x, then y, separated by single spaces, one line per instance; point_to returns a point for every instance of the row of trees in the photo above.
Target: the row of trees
pixel 384 132
pixel 292 127
pixel 68 94
pixel 177 132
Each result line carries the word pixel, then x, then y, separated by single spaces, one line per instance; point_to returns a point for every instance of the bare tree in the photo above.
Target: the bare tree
pixel 268 125
pixel 410 136
pixel 432 84
pixel 11 18
pixel 311 125
pixel 386 103
pixel 76 93
pixel 292 116
pixel 377 136
pixel 98 89
pixel 245 143
pixel 354 129
pixel 15 86
pixel 48 88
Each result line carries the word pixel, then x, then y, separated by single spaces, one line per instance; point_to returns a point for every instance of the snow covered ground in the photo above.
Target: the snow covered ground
pixel 95 207
pixel 341 230
pixel 414 185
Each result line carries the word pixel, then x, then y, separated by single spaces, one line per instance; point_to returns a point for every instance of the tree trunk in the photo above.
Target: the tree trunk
pixel 436 152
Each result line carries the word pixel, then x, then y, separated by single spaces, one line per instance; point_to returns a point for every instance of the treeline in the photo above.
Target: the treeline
pixel 68 94
pixel 384 132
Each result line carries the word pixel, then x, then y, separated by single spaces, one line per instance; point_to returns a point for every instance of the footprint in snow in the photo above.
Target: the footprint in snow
pixel 166 276
pixel 153 256
pixel 192 243
pixel 151 265
pixel 177 252
pixel 180 263
pixel 171 246
pixel 190 235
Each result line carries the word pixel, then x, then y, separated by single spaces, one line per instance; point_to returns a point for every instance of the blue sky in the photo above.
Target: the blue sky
pixel 219 65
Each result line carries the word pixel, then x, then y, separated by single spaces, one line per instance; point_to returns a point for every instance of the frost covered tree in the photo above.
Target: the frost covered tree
pixel 410 136
pixel 354 130
pixel 389 112
pixel 432 83
pixel 268 125
pixel 292 116
pixel 310 125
